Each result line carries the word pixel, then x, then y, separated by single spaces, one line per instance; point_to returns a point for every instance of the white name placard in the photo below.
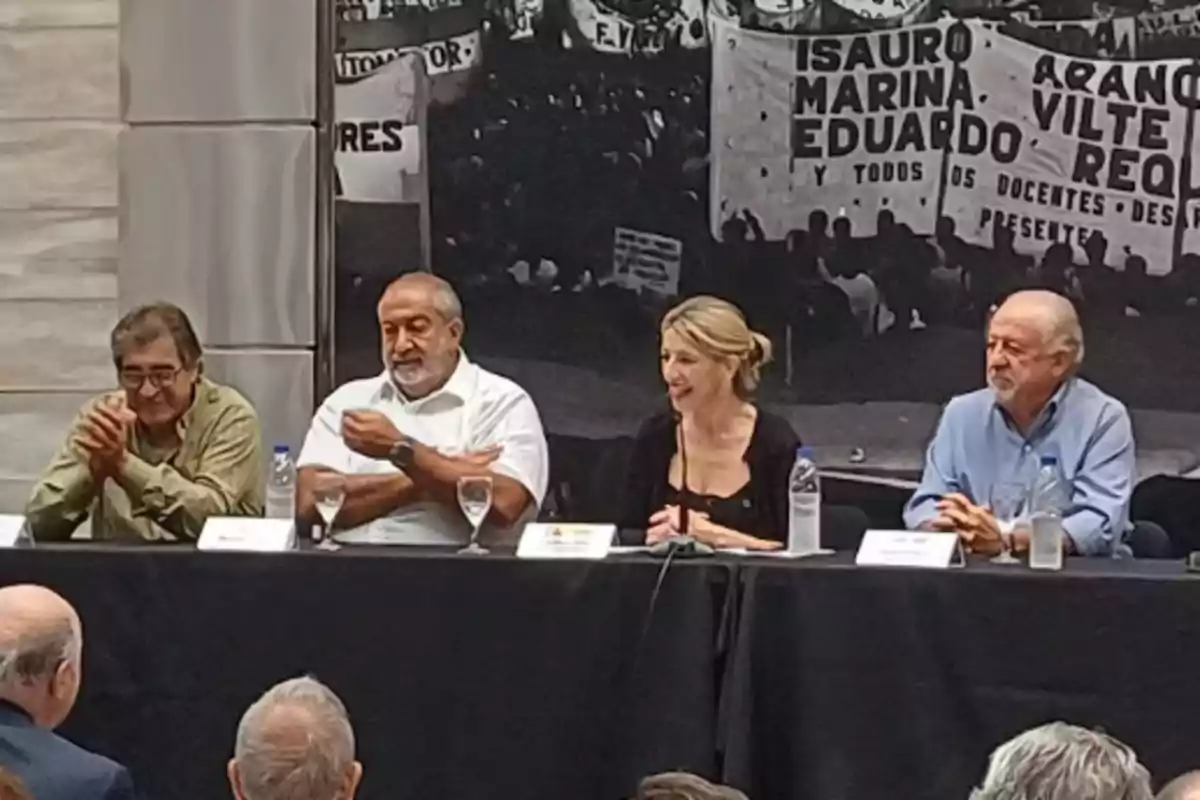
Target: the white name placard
pixel 12 531
pixel 247 534
pixel 922 549
pixel 566 540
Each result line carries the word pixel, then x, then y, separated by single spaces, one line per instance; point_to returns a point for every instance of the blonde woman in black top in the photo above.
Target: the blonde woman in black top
pixel 733 480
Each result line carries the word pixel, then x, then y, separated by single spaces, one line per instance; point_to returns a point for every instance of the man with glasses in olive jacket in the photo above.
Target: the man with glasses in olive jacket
pixel 155 459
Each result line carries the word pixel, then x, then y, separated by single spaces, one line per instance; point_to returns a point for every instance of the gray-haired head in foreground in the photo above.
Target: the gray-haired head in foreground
pixel 1064 762
pixel 295 743
pixel 1185 787
pixel 684 786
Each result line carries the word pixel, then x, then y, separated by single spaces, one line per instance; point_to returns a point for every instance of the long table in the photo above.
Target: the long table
pixel 496 678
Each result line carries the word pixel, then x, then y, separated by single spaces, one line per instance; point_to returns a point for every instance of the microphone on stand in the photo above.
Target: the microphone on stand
pixel 683 477
pixel 683 545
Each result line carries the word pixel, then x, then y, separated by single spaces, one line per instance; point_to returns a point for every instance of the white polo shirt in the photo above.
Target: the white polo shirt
pixel 474 411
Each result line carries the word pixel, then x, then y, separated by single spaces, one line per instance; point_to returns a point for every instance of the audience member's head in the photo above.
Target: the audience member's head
pixel 11 787
pixel 818 223
pixel 1185 787
pixel 843 231
pixel 295 743
pixel 1034 344
pixel 158 359
pixel 684 786
pixel 41 646
pixel 708 351
pixel 421 327
pixel 946 228
pixel 1064 762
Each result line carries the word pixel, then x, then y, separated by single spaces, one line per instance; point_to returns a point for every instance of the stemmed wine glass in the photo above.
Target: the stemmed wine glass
pixel 1008 503
pixel 475 500
pixel 329 494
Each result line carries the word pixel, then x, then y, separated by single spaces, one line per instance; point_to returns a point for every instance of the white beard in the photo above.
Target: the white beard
pixel 406 376
pixel 1005 391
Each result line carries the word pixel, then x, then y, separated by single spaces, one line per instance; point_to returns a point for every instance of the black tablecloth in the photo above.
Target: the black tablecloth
pixel 859 684
pixel 492 678
pixel 465 678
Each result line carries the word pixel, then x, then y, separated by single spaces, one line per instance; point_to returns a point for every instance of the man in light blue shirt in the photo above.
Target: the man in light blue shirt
pixel 1034 406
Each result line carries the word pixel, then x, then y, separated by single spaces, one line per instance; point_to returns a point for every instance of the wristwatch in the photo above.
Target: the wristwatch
pixel 402 453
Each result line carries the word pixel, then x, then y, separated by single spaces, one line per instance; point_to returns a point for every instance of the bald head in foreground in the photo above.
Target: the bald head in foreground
pixel 684 786
pixel 1185 787
pixel 295 743
pixel 1035 407
pixel 41 650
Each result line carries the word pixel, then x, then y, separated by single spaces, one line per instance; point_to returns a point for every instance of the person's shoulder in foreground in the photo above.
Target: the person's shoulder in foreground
pixel 40 650
pixel 61 769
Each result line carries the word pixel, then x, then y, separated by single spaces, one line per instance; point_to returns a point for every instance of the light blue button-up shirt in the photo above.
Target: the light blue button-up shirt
pixel 977 445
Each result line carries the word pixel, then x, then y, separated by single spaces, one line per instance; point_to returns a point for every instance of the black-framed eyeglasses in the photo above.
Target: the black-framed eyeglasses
pixel 158 378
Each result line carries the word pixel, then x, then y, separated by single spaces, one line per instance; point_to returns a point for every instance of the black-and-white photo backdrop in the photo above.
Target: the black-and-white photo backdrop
pixel 863 177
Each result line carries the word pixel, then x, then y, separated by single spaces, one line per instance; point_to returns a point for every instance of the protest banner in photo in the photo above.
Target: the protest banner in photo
pixel 447 32
pixel 1070 146
pixel 647 262
pixel 835 16
pixel 516 18
pixel 1169 33
pixel 851 125
pixel 1048 145
pixel 378 135
pixel 628 27
pixel 1114 38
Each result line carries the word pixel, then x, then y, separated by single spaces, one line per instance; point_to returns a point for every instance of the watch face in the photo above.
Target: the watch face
pixel 402 454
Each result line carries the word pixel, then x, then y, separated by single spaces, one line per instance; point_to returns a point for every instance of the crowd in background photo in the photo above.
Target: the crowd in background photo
pixel 553 149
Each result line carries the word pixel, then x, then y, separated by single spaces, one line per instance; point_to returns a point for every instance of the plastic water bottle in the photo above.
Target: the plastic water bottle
pixel 1048 501
pixel 281 484
pixel 804 497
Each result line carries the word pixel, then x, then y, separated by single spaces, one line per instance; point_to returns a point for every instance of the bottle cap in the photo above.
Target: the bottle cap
pixel 1049 461
pixel 805 452
pixel 282 448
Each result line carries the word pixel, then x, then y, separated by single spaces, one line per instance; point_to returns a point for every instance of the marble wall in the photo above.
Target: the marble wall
pixel 59 112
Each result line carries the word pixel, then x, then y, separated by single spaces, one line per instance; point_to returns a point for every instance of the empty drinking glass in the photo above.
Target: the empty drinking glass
pixel 329 493
pixel 1008 502
pixel 475 500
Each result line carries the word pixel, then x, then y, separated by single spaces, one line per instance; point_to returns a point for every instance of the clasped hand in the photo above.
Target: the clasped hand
pixel 666 524
pixel 102 437
pixel 976 525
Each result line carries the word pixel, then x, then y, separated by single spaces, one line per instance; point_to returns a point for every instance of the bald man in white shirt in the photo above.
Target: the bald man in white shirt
pixel 405 437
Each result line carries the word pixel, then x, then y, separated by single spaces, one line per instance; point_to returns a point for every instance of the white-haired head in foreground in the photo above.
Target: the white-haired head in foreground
pixel 1064 762
pixel 295 743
